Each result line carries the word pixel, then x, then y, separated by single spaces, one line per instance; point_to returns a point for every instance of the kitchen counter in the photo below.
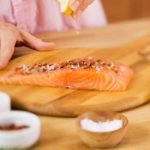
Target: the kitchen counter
pixel 60 133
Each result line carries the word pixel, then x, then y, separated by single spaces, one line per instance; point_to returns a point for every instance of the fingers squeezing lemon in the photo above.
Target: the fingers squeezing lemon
pixel 65 7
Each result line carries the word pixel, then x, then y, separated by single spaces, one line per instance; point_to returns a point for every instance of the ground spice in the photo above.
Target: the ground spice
pixel 12 127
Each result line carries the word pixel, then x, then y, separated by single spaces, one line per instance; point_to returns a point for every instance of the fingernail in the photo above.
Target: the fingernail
pixel 49 43
pixel 74 6
pixel 48 46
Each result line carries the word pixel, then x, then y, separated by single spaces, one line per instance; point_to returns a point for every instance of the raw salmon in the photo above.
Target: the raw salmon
pixel 81 73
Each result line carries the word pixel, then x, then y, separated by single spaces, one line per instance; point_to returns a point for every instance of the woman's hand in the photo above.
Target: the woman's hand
pixel 78 6
pixel 11 36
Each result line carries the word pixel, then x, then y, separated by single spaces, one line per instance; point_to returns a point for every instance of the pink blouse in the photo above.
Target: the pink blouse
pixel 44 15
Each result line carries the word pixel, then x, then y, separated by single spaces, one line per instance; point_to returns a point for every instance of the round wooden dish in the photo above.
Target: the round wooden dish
pixel 102 139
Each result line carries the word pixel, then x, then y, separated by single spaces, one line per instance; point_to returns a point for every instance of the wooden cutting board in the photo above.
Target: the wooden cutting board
pixel 66 102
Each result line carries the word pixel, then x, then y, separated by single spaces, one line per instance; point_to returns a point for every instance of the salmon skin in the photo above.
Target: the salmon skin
pixel 80 73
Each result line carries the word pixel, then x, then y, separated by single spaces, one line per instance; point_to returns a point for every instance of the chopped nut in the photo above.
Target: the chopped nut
pixel 51 67
pixel 85 63
pixel 69 87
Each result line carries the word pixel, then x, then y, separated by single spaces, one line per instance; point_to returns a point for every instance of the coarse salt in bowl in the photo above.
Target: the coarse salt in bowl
pixel 102 129
pixel 101 126
pixel 19 138
pixel 5 102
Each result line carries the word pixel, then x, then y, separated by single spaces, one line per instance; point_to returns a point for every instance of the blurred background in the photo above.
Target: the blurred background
pixel 122 10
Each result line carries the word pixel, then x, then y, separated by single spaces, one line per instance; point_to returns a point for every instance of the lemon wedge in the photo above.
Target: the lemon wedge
pixel 64 7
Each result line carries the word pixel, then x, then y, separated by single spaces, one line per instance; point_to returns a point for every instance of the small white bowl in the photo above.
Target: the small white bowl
pixel 23 138
pixel 5 102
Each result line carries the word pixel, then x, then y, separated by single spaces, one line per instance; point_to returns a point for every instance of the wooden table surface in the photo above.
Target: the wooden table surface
pixel 60 133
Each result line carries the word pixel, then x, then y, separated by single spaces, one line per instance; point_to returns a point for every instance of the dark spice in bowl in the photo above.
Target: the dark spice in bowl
pixel 12 127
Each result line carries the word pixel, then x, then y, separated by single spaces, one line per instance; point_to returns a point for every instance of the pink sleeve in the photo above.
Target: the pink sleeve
pixel 94 15
pixel 6 11
pixel 44 15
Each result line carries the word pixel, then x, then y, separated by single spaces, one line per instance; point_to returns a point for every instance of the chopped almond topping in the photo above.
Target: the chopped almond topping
pixel 85 63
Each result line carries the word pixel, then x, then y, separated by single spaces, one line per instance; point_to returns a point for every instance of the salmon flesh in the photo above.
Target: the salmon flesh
pixel 80 73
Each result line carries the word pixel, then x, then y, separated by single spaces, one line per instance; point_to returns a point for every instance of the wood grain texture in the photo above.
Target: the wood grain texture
pixel 121 10
pixel 61 133
pixel 64 102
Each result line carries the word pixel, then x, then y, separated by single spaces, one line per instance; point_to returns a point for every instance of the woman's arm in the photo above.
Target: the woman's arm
pixel 11 35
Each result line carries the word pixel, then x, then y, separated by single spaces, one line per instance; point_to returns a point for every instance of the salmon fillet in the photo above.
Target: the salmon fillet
pixel 81 73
